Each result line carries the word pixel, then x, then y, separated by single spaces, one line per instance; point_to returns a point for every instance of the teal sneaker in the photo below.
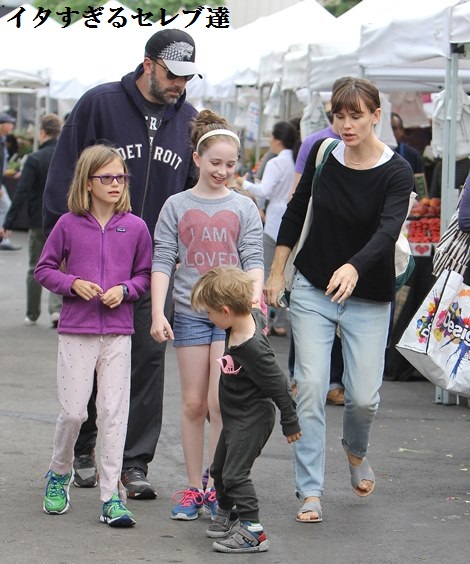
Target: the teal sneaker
pixel 57 499
pixel 115 514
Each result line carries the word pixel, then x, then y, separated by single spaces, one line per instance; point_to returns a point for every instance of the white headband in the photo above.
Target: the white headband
pixel 217 132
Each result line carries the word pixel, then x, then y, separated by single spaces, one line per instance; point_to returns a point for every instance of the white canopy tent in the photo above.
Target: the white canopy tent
pixel 26 48
pixel 296 25
pixel 338 55
pixel 268 38
pixel 10 78
pixel 460 29
pixel 22 65
pixel 411 47
pixel 374 58
pixel 22 69
pixel 24 83
pixel 258 48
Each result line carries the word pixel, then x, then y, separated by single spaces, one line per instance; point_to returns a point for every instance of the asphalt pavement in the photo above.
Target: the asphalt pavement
pixel 420 452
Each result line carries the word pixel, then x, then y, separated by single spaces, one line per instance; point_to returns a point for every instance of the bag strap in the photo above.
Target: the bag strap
pixel 322 155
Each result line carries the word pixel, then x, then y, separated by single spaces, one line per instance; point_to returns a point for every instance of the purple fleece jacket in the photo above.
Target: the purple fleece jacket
pixel 121 253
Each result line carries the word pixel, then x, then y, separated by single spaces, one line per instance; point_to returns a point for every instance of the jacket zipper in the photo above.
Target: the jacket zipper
pixel 101 278
pixel 147 173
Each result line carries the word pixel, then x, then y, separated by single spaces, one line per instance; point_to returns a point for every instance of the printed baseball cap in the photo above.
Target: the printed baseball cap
pixel 177 50
pixel 7 118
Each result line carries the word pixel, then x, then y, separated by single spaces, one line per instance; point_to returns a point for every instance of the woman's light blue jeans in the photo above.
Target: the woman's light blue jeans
pixel 364 327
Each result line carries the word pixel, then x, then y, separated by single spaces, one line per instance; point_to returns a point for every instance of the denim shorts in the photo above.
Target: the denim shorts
pixel 190 330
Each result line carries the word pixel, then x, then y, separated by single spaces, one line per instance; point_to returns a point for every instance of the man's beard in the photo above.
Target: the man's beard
pixel 156 92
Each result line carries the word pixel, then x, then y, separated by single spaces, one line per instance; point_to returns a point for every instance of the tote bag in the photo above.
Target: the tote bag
pixel 449 342
pixel 414 342
pixel 435 341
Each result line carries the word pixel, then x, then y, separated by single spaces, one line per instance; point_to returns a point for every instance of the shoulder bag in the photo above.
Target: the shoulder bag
pixel 404 261
pixel 323 152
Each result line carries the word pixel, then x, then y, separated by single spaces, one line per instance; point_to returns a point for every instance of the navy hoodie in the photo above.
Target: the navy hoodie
pixel 115 113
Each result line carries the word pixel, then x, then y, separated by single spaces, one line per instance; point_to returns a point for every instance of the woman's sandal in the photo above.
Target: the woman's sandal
pixel 307 507
pixel 359 473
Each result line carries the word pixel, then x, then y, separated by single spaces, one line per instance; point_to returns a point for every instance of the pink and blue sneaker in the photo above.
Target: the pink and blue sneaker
pixel 189 504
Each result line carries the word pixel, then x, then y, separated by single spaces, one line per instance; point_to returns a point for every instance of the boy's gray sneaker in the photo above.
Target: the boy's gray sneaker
pixel 242 540
pixel 220 526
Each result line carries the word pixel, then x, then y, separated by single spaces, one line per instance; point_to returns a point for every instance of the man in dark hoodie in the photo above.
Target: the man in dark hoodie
pixel 146 117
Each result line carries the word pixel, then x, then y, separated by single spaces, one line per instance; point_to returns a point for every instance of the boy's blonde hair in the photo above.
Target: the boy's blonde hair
pixel 92 159
pixel 223 286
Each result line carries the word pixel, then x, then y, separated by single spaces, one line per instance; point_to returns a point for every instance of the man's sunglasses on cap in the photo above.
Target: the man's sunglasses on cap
pixel 172 76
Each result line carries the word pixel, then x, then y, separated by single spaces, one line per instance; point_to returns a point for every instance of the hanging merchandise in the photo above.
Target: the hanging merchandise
pixel 314 117
pixel 462 143
pixel 383 129
pixel 409 106
pixel 273 103
pixel 250 120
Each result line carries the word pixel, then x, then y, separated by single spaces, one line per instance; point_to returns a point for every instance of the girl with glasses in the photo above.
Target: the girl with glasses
pixel 98 257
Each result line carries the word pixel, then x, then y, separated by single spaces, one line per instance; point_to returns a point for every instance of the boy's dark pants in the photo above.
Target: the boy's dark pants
pixel 240 444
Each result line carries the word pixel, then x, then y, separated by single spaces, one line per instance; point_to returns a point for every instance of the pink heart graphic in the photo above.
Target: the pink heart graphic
pixel 422 249
pixel 210 240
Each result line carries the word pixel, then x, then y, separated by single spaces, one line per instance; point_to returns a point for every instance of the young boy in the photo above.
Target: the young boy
pixel 251 382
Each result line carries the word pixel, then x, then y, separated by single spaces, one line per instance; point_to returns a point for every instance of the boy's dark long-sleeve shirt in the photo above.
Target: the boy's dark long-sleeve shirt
pixel 250 377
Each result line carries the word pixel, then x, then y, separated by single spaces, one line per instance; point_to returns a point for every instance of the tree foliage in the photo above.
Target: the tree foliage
pixel 153 6
pixel 338 7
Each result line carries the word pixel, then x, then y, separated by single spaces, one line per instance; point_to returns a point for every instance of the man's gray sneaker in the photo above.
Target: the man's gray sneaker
pixel 85 474
pixel 136 484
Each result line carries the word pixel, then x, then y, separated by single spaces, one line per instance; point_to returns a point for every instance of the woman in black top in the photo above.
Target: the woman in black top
pixel 345 279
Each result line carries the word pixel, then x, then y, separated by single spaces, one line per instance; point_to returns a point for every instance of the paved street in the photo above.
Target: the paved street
pixel 420 452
